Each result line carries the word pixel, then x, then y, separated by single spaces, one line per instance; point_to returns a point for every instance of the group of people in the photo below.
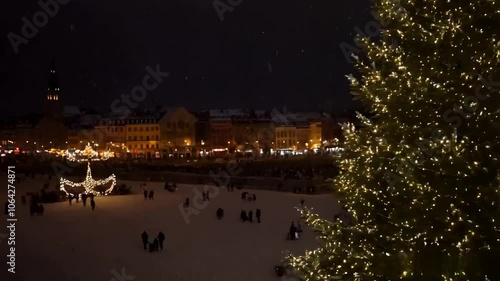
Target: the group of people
pixel 169 187
pixel 244 217
pixel 148 195
pixel 84 199
pixel 245 196
pixel 156 245
pixel 230 187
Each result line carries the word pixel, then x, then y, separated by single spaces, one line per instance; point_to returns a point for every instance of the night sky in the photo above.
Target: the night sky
pixel 264 54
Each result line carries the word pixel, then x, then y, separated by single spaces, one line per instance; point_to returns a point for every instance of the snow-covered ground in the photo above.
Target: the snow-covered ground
pixel 74 243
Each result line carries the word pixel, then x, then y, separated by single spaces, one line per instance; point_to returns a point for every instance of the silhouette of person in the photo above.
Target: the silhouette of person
pixel 207 195
pixel 243 216
pixel 92 204
pixel 219 213
pixel 161 238
pixel 250 216
pixel 145 238
pixel 302 202
pixel 254 197
pixel 186 203
pixel 151 195
pixel 293 230
pixel 257 215
pixel 145 191
pixel 41 209
pixel 84 199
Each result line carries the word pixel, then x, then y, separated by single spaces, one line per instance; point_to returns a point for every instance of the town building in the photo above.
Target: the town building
pixel 177 133
pixel 142 133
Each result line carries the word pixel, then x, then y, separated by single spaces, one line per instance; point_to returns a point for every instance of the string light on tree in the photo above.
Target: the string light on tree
pixel 421 178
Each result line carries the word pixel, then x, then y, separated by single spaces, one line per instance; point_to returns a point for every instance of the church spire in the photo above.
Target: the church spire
pixel 53 81
pixel 53 106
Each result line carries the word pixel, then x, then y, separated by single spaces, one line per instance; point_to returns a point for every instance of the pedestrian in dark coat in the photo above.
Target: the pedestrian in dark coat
pixel 6 208
pixel 151 195
pixel 145 192
pixel 77 197
pixel 166 186
pixel 254 197
pixel 186 203
pixel 161 238
pixel 257 215
pixel 145 238
pixel 92 204
pixel 204 196
pixel 293 230
pixel 220 213
pixel 243 216
pixel 41 209
pixel 250 216
pixel 207 194
pixel 84 199
pixel 70 199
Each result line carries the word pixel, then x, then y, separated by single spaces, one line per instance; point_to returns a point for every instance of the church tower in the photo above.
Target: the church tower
pixel 52 131
pixel 53 104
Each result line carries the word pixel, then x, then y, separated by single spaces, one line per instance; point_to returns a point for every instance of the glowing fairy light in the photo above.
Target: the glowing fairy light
pixel 90 185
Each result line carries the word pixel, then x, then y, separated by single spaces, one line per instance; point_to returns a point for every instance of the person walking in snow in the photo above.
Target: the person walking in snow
pixel 145 191
pixel 92 204
pixel 161 238
pixel 186 203
pixel 151 195
pixel 145 238
pixel 243 216
pixel 254 198
pixel 250 216
pixel 292 231
pixel 257 215
pixel 41 209
pixel 219 213
pixel 84 199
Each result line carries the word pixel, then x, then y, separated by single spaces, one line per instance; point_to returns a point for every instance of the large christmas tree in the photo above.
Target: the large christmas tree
pixel 421 177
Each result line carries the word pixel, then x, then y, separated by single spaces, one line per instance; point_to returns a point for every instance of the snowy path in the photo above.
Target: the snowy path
pixel 72 243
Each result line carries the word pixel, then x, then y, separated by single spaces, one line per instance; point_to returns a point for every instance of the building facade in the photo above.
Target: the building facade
pixel 142 137
pixel 177 132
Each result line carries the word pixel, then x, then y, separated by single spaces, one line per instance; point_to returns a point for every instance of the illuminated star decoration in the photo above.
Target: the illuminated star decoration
pixel 89 183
